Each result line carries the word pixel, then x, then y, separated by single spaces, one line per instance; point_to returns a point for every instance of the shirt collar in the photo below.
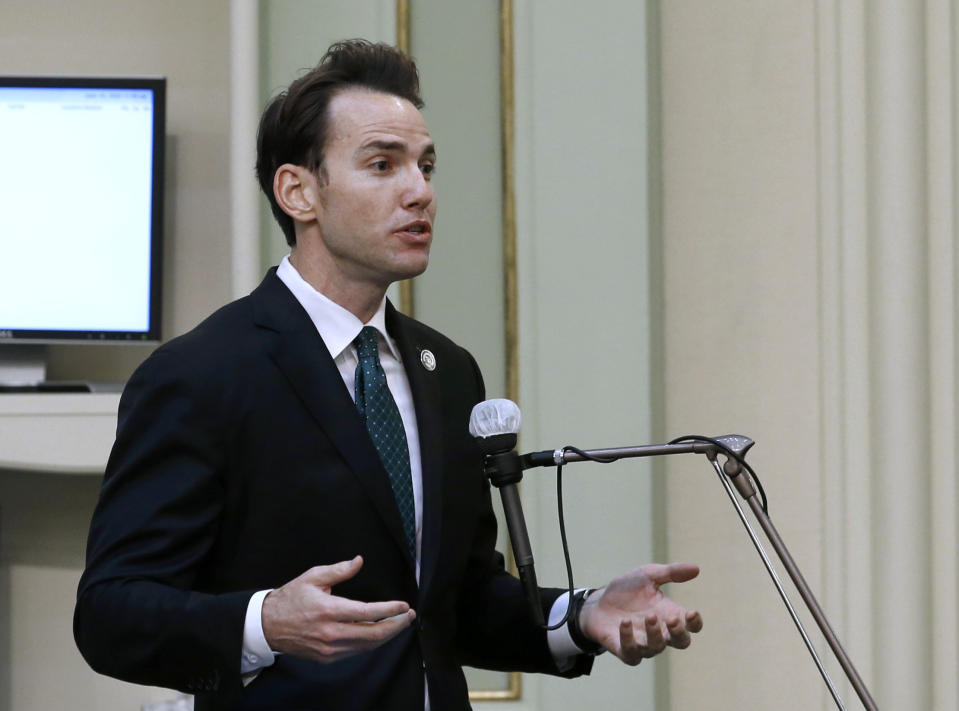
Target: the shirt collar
pixel 337 327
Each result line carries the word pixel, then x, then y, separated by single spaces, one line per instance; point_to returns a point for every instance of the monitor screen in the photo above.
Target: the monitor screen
pixel 80 209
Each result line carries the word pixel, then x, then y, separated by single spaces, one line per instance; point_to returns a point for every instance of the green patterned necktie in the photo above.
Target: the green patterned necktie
pixel 378 410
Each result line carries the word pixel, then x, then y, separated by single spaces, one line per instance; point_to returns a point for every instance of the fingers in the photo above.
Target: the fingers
pixel 326 576
pixel 633 649
pixel 317 634
pixel 694 621
pixel 344 610
pixel 679 633
pixel 656 635
pixel 332 641
pixel 349 638
pixel 655 639
pixel 672 573
pixel 681 627
pixel 341 609
pixel 630 651
pixel 681 572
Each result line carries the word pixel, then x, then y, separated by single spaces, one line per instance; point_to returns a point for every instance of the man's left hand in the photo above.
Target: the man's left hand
pixel 634 620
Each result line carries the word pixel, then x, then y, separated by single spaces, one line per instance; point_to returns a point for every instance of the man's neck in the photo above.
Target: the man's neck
pixel 359 298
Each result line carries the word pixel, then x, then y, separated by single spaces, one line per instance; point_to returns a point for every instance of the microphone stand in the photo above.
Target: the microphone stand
pixel 732 470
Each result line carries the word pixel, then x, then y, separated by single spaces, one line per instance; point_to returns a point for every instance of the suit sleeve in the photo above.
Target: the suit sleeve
pixel 495 629
pixel 142 614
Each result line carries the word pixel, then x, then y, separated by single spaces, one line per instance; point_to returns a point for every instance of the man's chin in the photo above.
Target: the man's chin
pixel 412 267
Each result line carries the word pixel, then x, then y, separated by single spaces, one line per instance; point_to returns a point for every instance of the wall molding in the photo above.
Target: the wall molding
pixel 887 333
pixel 244 118
pixel 942 130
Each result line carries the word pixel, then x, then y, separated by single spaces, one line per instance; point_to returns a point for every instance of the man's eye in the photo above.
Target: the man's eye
pixel 381 165
pixel 428 168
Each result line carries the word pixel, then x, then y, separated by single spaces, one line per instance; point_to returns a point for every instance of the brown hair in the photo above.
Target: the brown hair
pixel 293 128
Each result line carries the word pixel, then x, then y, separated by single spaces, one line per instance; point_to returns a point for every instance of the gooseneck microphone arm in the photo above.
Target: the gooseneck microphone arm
pixel 552 458
pixel 732 473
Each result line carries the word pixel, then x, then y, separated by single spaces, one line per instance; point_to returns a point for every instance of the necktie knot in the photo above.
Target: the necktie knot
pixel 367 344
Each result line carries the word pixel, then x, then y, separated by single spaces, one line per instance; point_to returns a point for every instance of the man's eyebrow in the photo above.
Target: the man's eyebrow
pixel 394 147
pixel 389 146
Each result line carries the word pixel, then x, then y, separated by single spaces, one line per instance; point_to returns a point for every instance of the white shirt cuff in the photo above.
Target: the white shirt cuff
pixel 256 652
pixel 561 645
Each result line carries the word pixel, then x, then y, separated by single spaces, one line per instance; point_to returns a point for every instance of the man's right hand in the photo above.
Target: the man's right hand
pixel 303 618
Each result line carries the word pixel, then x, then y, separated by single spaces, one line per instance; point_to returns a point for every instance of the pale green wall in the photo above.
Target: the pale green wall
pixel 456 46
pixel 582 163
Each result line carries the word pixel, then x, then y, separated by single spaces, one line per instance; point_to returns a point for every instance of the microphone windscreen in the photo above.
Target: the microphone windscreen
pixel 495 417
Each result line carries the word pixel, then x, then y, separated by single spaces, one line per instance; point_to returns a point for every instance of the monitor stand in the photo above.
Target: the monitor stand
pixel 23 369
pixel 22 366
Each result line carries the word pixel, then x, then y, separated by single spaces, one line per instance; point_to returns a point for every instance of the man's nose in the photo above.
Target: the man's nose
pixel 418 189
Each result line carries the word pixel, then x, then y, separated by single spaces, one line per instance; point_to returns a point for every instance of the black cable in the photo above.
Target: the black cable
pixel 562 526
pixel 729 453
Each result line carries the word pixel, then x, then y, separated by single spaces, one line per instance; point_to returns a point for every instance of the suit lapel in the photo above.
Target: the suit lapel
pixel 425 387
pixel 298 351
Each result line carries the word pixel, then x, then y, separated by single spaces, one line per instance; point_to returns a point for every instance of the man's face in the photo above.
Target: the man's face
pixel 376 200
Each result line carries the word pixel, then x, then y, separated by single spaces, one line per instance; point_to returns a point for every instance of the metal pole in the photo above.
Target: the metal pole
pixel 779 586
pixel 793 570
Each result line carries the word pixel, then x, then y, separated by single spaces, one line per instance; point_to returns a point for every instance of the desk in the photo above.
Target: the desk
pixel 57 433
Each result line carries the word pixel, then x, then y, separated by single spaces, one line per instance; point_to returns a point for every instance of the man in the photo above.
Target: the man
pixel 294 515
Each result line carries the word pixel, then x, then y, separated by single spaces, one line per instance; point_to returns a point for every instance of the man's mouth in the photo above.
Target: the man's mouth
pixel 416 228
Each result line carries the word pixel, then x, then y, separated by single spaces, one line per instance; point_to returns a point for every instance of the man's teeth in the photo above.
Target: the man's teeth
pixel 415 228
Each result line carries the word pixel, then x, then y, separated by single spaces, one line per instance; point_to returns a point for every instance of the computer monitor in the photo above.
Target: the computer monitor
pixel 81 202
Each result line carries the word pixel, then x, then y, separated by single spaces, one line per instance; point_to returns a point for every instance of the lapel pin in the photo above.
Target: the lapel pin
pixel 428 359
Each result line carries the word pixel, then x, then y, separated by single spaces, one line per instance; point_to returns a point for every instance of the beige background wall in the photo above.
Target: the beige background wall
pixel 740 353
pixel 809 227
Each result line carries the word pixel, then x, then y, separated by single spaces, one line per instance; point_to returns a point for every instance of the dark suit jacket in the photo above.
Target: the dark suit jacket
pixel 240 462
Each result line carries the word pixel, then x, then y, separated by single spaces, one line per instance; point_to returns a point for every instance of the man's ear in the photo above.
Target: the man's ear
pixel 296 193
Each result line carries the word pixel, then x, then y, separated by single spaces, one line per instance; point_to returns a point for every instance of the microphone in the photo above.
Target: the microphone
pixel 494 424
